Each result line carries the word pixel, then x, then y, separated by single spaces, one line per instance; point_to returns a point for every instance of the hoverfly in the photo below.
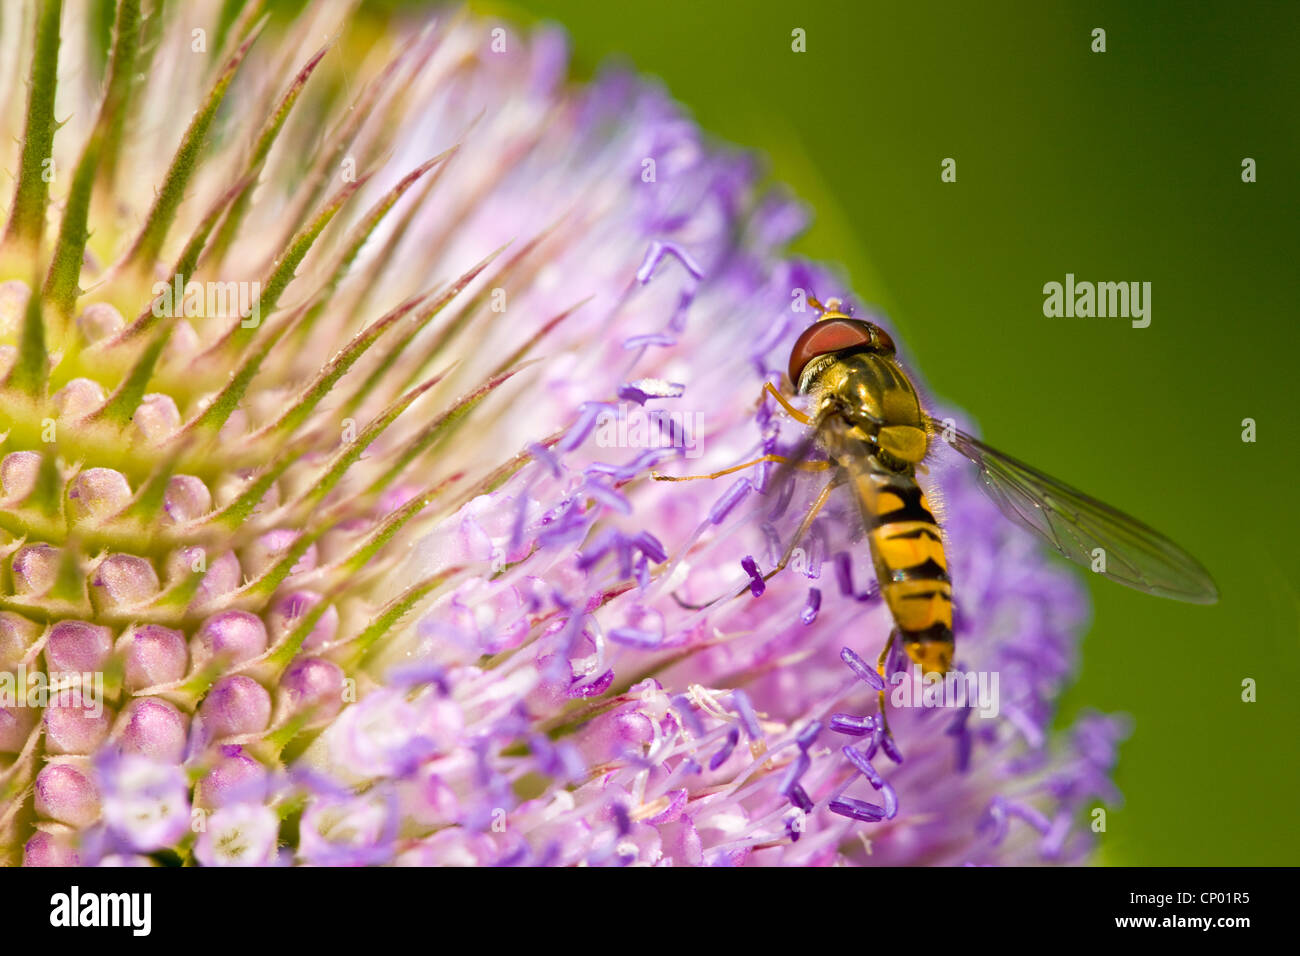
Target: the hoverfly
pixel 867 418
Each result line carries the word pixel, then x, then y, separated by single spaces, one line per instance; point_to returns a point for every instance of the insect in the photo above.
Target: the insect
pixel 867 417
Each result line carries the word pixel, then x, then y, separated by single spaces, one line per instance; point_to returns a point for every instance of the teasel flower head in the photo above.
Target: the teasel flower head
pixel 333 378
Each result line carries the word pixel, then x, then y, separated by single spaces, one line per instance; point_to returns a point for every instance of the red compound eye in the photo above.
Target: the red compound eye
pixel 827 336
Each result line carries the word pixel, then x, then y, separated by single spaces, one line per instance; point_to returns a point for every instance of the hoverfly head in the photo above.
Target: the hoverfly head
pixel 834 333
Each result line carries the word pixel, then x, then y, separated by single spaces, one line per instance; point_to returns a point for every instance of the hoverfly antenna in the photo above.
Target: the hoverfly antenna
pixel 831 307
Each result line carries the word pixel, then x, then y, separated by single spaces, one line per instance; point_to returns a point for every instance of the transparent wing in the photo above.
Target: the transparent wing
pixel 1076 525
pixel 781 480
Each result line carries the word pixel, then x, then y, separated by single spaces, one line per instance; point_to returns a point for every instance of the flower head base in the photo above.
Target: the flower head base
pixel 370 564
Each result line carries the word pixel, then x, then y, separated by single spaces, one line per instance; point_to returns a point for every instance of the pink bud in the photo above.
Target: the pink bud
pixel 79 398
pixel 233 636
pixel 152 654
pixel 181 564
pixel 183 343
pixel 288 611
pixel 99 321
pixel 236 778
pixel 17 635
pixel 97 493
pixel 123 581
pixel 78 647
pixel 186 499
pixel 35 568
pixel 235 705
pixel 76 728
pixel 223 576
pixel 18 473
pixel 16 725
pixel 314 687
pixel 45 849
pixel 156 419
pixel 153 728
pixel 66 795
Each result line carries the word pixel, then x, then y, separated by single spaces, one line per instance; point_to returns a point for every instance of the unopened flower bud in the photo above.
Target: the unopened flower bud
pixel 46 849
pixel 235 778
pixel 76 728
pixel 78 647
pixel 97 493
pixel 66 795
pixel 230 636
pixel 313 687
pixel 235 705
pixel 78 399
pixel 123 581
pixel 99 320
pixel 18 473
pixel 35 569
pixel 156 419
pixel 17 635
pixel 186 499
pixel 152 654
pixel 288 611
pixel 152 727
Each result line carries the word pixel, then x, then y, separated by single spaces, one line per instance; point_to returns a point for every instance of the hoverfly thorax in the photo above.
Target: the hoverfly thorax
pixel 848 365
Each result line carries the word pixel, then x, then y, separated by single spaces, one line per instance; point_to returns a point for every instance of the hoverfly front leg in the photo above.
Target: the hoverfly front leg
pixel 790 410
pixel 768 388
pixel 778 459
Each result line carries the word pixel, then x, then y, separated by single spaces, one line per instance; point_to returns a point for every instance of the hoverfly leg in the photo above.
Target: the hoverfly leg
pixel 804 526
pixel 880 669
pixel 779 459
pixel 790 410
pixel 802 530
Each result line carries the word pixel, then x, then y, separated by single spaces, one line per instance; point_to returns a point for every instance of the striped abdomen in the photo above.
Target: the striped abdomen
pixel 907 548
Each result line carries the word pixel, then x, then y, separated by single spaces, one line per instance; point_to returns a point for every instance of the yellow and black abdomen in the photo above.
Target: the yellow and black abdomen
pixel 911 567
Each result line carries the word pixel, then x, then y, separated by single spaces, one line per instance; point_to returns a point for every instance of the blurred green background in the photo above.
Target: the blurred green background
pixel 1116 166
